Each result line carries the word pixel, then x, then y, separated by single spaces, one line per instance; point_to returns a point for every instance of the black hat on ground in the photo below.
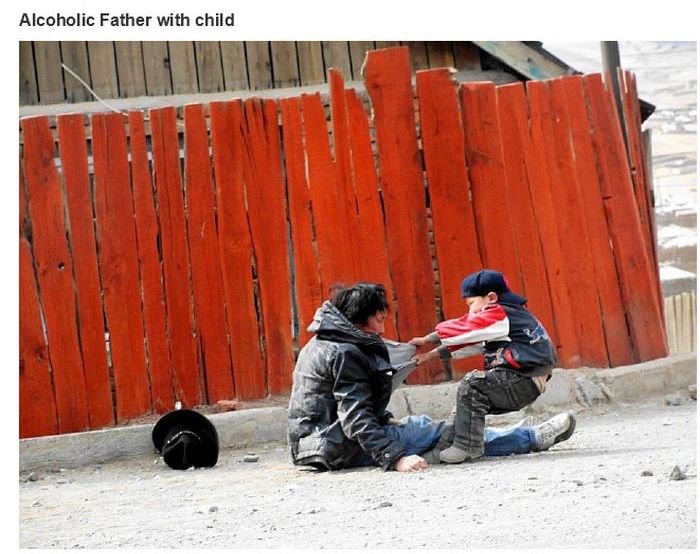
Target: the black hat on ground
pixel 185 439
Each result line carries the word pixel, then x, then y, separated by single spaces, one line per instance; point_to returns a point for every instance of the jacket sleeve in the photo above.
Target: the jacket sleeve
pixel 353 392
pixel 491 323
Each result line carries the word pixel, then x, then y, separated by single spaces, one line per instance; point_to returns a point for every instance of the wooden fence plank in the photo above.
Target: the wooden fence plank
pixel 49 74
pixel 130 68
pixel 209 69
pixel 572 226
pixel 388 81
pixel 492 210
pixel 419 55
pixel 148 236
pixel 168 185
pixel 259 65
pixel 284 64
pixel 37 403
pixel 517 154
pixel 669 314
pixel 386 43
pixel 119 264
pixel 606 279
pixel 156 66
pixel 74 54
pixel 183 68
pixel 333 243
pixel 264 187
pixel 681 323
pixel 466 56
pixel 372 232
pixel 235 250
pixel 74 161
pixel 311 68
pixel 210 317
pixel 358 50
pixel 440 54
pixel 28 92
pixel 54 272
pixel 625 230
pixel 103 69
pixel 336 56
pixel 307 282
pixel 540 190
pixel 347 217
pixel 234 63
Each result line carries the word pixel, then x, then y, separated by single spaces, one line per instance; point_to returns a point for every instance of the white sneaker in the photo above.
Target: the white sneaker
pixel 554 430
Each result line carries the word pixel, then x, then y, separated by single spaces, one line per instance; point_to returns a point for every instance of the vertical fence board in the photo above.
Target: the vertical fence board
pixel 358 50
pixel 284 64
pixel 311 69
pixel 572 227
pixel 419 55
pixel 74 161
pixel 235 250
pixel 156 67
pixel 168 185
pixel 388 81
pixel 233 60
pixel 372 232
pixel 440 54
pixel 132 77
pixel 517 152
pixel 54 271
pixel 28 93
pixel 119 264
pixel 492 210
pixel 631 256
pixel 545 211
pixel 37 403
pixel 259 65
pixel 103 70
pixel 332 240
pixel 386 43
pixel 336 56
pixel 183 68
pixel 209 69
pixel 267 213
pixel 346 209
pixel 148 237
pixel 670 325
pixel 466 56
pixel 307 282
pixel 74 55
pixel 210 317
pixel 605 274
pixel 49 73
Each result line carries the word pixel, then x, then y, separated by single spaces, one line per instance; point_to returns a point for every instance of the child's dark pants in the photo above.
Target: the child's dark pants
pixel 496 391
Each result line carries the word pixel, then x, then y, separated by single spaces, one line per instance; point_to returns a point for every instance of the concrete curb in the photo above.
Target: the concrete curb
pixel 570 389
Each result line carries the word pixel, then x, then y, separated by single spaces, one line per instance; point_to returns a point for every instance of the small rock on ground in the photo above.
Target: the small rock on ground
pixel 647 473
pixel 251 458
pixel 673 400
pixel 693 391
pixel 677 474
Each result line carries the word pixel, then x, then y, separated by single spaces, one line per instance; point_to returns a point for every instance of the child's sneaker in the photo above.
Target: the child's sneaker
pixel 554 430
pixel 453 455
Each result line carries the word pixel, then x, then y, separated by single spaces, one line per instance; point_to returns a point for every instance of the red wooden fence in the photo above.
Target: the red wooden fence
pixel 188 269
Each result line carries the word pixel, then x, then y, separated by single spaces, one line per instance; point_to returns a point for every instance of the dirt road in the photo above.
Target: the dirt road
pixel 587 492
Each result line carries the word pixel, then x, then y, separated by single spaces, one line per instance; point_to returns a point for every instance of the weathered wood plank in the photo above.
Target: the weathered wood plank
pixel 74 162
pixel 284 64
pixel 130 68
pixel 234 63
pixel 358 50
pixel 466 56
pixel 74 54
pixel 49 74
pixel 235 250
pixel 524 59
pixel 183 68
pixel 259 64
pixel 156 65
pixel 311 68
pixel 209 70
pixel 336 56
pixel 103 69
pixel 28 92
pixel 419 55
pixel 440 54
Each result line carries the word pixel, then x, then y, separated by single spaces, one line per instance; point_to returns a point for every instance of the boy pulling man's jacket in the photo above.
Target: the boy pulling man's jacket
pixel 518 360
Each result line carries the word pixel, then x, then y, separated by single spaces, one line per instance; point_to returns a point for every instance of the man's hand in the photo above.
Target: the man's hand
pixel 422 358
pixel 418 341
pixel 410 463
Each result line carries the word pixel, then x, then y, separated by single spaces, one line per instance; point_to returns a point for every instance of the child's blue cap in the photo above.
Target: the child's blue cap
pixel 488 280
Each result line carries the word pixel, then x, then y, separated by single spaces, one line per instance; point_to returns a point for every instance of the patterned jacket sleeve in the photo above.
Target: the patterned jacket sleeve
pixel 463 336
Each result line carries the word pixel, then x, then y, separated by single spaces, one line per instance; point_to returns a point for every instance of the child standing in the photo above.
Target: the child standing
pixel 518 360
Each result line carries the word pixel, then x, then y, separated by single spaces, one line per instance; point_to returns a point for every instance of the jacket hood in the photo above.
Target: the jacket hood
pixel 330 324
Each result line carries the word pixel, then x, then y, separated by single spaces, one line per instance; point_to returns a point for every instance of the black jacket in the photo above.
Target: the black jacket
pixel 342 385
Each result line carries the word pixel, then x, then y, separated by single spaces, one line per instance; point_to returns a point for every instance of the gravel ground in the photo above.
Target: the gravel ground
pixel 587 492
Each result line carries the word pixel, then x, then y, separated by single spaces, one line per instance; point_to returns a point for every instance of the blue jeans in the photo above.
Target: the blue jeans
pixel 418 434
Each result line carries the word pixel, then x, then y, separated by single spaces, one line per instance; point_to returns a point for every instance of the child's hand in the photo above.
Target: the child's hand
pixel 422 358
pixel 418 341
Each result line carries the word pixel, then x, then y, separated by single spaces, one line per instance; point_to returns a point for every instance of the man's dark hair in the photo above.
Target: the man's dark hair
pixel 361 301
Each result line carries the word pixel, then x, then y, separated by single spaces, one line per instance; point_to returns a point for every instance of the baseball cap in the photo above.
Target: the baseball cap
pixel 482 282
